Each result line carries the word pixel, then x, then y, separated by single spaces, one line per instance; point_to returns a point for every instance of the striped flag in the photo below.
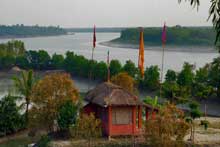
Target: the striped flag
pixel 164 35
pixel 141 53
pixel 94 37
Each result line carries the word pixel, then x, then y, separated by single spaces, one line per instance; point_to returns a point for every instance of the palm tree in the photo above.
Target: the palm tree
pixel 24 85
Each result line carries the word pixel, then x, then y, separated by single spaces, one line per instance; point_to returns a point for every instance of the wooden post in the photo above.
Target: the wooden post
pixel 147 113
pixel 139 117
pixel 153 115
pixel 133 119
pixel 109 121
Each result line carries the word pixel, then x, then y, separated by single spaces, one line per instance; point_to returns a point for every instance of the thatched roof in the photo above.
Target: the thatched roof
pixel 108 94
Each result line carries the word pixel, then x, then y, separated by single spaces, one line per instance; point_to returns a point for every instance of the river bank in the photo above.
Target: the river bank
pixel 192 49
pixel 12 37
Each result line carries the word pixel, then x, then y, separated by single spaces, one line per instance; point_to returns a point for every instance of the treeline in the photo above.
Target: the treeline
pixel 180 36
pixel 26 31
pixel 89 30
pixel 189 82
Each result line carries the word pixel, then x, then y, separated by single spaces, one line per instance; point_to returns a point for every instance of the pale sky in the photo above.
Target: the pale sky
pixel 103 13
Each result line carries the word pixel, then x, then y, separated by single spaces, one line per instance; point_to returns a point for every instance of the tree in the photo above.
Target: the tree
pixel 67 114
pixel 24 85
pixel 33 59
pixel 43 59
pixel 57 61
pixel 22 62
pixel 11 120
pixel 201 88
pixel 214 75
pixel 125 81
pixel 185 80
pixel 48 95
pixel 152 77
pixel 193 114
pixel 7 62
pixel 87 127
pixel 130 68
pixel 101 71
pixel 170 76
pixel 13 48
pixel 171 90
pixel 115 67
pixel 69 61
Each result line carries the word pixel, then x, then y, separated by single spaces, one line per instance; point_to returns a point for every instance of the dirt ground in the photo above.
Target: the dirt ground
pixel 209 136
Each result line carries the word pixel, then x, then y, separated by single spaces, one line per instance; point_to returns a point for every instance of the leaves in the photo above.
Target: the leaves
pixel 10 119
pixel 48 95
pixel 67 114
pixel 214 14
pixel 194 3
pixel 167 128
pixel 151 77
pixel 87 127
pixel 125 81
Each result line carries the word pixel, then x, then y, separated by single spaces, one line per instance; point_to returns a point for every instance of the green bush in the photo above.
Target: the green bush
pixel 67 115
pixel 11 120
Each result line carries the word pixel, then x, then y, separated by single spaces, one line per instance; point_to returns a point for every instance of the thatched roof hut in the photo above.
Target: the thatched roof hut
pixel 108 94
pixel 119 110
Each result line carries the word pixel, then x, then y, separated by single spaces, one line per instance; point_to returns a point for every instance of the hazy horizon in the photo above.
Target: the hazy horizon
pixel 103 13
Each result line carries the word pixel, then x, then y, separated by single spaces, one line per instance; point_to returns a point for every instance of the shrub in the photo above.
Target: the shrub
pixel 168 128
pixel 11 120
pixel 67 114
pixel 87 127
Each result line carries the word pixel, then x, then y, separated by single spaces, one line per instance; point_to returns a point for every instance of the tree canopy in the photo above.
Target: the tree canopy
pixel 48 95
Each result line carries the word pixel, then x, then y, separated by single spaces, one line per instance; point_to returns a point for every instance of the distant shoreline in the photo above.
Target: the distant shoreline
pixel 29 36
pixel 193 49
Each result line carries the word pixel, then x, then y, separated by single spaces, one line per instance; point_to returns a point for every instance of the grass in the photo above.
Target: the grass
pixel 19 141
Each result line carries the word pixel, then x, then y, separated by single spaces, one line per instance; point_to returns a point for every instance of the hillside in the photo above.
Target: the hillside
pixel 176 36
pixel 29 31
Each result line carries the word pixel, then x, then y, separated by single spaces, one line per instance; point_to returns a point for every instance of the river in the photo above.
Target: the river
pixel 81 43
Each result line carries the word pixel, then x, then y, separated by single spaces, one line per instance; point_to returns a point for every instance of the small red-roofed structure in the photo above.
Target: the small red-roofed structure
pixel 119 110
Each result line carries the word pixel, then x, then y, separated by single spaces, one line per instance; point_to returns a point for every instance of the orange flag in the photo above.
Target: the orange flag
pixel 141 53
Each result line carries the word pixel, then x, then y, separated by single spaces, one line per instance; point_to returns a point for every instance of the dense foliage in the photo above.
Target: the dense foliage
pixel 87 127
pixel 11 120
pixel 167 129
pixel 67 114
pixel 26 31
pixel 151 78
pixel 177 86
pixel 48 95
pixel 124 80
pixel 184 36
pixel 9 52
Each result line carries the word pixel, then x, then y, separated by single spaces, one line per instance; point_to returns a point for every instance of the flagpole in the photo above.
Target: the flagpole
pixel 162 68
pixel 94 45
pixel 108 62
pixel 162 64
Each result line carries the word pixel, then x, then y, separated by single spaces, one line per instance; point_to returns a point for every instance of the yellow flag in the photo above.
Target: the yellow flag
pixel 141 53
